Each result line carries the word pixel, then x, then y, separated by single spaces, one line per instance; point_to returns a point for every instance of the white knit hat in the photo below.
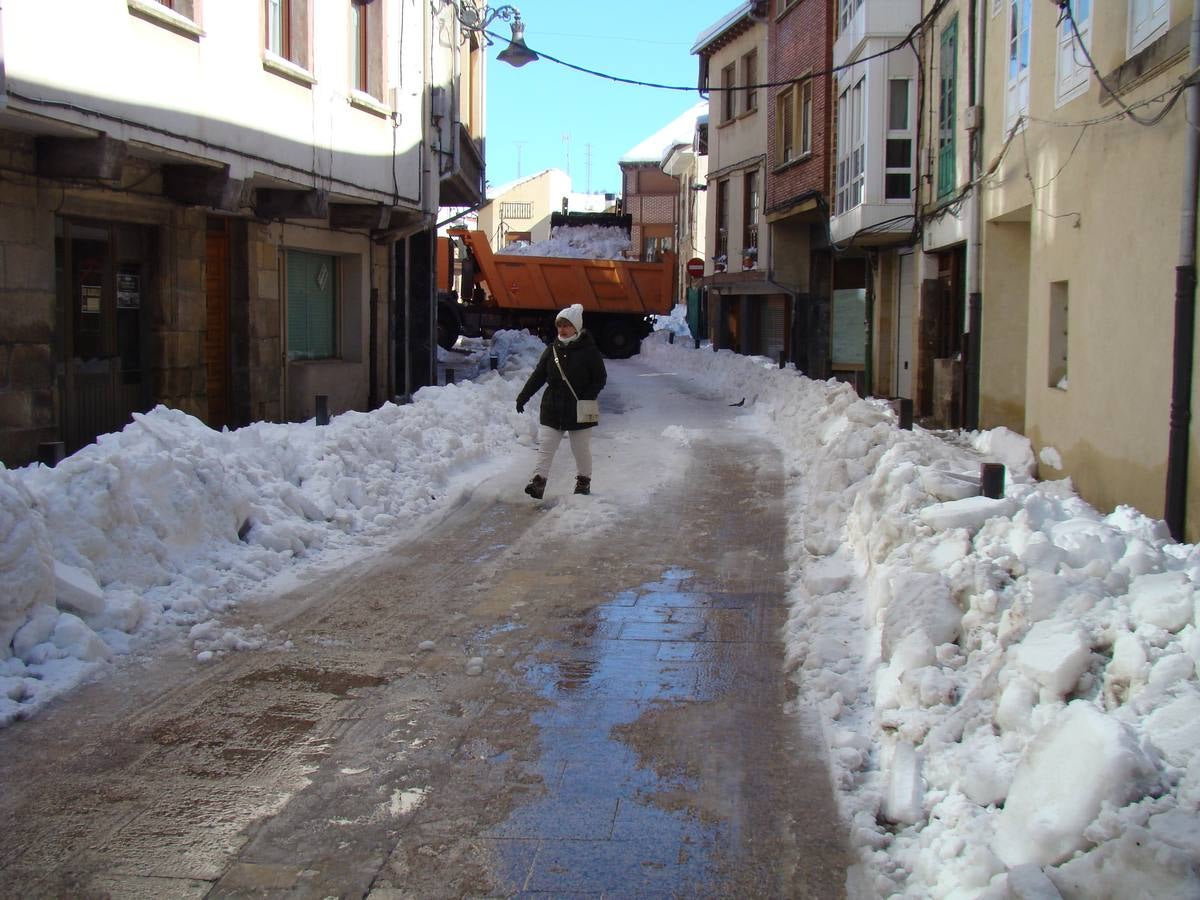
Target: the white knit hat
pixel 573 314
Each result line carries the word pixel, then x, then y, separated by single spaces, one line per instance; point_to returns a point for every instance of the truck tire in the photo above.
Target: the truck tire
pixel 449 324
pixel 620 339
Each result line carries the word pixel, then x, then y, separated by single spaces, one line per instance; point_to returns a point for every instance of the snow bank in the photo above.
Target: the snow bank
pixel 1008 687
pixel 161 527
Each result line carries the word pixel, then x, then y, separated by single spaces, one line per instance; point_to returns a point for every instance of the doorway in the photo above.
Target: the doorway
pixel 104 278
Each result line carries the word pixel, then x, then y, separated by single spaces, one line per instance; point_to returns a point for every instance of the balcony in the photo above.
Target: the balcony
pixel 875 18
pixel 868 215
pixel 463 186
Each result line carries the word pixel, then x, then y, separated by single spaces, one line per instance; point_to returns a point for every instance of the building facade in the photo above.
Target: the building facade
pixel 798 164
pixel 745 310
pixel 222 207
pixel 1081 230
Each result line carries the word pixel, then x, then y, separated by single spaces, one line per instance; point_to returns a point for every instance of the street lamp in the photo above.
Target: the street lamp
pixel 478 17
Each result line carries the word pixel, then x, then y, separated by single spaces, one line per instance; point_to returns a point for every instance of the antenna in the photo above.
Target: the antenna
pixel 587 165
pixel 519 144
pixel 567 149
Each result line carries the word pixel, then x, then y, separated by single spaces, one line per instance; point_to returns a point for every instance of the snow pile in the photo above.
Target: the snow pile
pixel 676 323
pixel 1008 687
pixel 577 242
pixel 166 524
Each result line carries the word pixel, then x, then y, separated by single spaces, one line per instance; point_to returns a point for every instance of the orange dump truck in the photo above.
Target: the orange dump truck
pixel 511 291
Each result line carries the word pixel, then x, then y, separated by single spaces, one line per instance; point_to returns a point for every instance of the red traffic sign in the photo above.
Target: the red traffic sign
pixel 695 267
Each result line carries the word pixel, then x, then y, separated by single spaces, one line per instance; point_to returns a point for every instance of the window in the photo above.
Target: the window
pixel 702 138
pixel 785 125
pixel 793 122
pixel 851 151
pixel 750 78
pixel 848 8
pixel 1057 361
pixel 728 94
pixel 947 73
pixel 750 216
pixel 1073 70
pixel 311 304
pixel 655 244
pixel 183 7
pixel 1147 20
pixel 287 30
pixel 366 53
pixel 898 152
pixel 1017 100
pixel 806 117
pixel 785 5
pixel 722 242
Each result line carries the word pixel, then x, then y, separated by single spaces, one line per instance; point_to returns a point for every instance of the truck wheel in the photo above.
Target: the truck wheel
pixel 619 340
pixel 449 324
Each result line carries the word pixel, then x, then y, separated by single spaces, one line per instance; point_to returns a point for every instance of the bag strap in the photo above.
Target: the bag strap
pixel 554 351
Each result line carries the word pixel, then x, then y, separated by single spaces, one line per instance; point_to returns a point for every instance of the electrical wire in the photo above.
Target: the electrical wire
pixel 913 33
pixel 1077 39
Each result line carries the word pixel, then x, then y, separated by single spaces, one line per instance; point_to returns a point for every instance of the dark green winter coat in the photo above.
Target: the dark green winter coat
pixel 583 365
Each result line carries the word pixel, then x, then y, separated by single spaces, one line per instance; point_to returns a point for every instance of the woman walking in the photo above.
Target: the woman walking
pixel 572 370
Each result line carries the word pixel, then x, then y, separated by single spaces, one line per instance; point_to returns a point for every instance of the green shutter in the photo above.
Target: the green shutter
pixel 311 304
pixel 948 76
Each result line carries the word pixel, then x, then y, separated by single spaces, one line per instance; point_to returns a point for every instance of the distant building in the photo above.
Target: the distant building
pixel 521 209
pixel 650 195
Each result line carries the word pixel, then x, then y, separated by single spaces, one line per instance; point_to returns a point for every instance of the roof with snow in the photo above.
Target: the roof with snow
pixel 726 28
pixel 680 131
pixel 502 189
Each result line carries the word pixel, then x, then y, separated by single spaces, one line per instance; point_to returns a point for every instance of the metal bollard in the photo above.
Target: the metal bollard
pixel 494 362
pixel 51 453
pixel 783 359
pixel 449 376
pixel 991 480
pixel 697 340
pixel 322 409
pixel 906 413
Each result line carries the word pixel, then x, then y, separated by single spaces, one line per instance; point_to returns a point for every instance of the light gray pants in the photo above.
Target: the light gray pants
pixel 581 449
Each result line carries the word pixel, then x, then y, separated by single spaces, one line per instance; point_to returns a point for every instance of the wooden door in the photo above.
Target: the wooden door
pixel 103 273
pixel 216 336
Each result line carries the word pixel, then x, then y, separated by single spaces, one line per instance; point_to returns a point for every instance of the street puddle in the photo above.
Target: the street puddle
pixel 623 808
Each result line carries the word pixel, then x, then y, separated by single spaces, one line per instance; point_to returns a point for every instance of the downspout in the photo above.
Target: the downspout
pixel 977 34
pixel 869 353
pixel 391 323
pixel 1185 307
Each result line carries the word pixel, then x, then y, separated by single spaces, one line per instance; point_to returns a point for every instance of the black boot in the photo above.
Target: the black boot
pixel 583 485
pixel 536 487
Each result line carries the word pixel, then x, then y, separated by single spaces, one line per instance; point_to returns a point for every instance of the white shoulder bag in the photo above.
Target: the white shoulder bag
pixel 586 411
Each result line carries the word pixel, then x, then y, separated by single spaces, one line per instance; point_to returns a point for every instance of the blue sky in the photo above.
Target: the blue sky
pixel 531 109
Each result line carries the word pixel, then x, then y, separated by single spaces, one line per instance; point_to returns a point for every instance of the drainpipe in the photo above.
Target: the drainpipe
pixel 1185 307
pixel 869 358
pixel 977 32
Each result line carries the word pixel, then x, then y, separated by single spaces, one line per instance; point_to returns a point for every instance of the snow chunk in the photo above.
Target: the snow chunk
pixel 919 601
pixel 1078 762
pixel 1137 863
pixel 72 635
pixel 906 787
pixel 969 513
pixel 1008 447
pixel 1166 600
pixel 76 590
pixel 1029 882
pixel 1051 457
pixel 1174 729
pixel 1054 654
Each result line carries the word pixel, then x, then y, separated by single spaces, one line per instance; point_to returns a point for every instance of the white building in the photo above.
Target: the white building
pixel 223 207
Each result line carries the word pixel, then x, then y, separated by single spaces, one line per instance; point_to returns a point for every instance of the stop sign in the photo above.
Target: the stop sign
pixel 695 267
